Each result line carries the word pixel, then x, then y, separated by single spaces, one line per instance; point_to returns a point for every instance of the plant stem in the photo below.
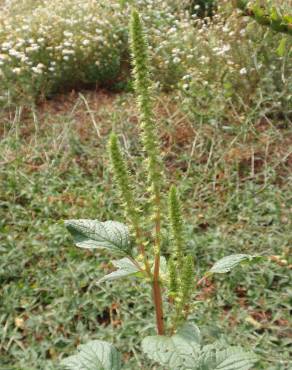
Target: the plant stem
pixel 157 297
pixel 202 280
pixel 156 282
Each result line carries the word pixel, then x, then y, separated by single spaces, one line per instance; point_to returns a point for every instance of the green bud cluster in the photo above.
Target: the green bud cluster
pixel 176 223
pixel 173 283
pixel 185 290
pixel 181 267
pixel 123 180
pixel 187 279
pixel 142 85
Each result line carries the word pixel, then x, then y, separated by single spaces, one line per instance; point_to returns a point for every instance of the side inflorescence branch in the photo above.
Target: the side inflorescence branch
pixel 124 182
pixel 176 223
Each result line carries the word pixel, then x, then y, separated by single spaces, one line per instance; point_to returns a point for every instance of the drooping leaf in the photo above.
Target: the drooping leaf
pixel 235 359
pixel 176 352
pixel 191 333
pixel 125 267
pixel 231 358
pixel 227 263
pixel 93 234
pixel 94 355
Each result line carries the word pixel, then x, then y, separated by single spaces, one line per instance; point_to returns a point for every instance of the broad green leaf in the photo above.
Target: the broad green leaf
pixel 125 267
pixel 93 234
pixel 176 352
pixel 235 359
pixel 94 355
pixel 191 333
pixel 232 358
pixel 227 263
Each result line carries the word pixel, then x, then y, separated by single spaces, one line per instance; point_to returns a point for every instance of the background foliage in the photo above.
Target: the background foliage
pixel 225 125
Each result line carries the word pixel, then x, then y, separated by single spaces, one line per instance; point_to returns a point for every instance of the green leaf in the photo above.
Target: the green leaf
pixel 232 358
pixel 125 267
pixel 227 263
pixel 175 352
pixel 94 355
pixel 93 234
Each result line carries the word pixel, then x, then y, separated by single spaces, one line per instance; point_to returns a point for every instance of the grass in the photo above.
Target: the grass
pixel 54 166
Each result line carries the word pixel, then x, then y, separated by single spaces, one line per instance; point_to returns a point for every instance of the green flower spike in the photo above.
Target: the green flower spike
pixel 173 283
pixel 185 292
pixel 176 222
pixel 187 279
pixel 142 85
pixel 123 180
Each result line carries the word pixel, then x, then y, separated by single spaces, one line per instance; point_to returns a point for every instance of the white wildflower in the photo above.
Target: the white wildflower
pixel 172 30
pixel 186 77
pixel 68 34
pixel 223 50
pixel 6 45
pixel 17 70
pixel 68 52
pixel 37 70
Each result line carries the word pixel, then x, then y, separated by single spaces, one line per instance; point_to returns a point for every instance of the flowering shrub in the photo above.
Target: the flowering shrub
pixel 235 62
pixel 203 8
pixel 49 46
pixel 216 62
pixel 59 44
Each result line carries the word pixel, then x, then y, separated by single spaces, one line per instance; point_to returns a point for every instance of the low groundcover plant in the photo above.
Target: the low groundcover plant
pixel 178 343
